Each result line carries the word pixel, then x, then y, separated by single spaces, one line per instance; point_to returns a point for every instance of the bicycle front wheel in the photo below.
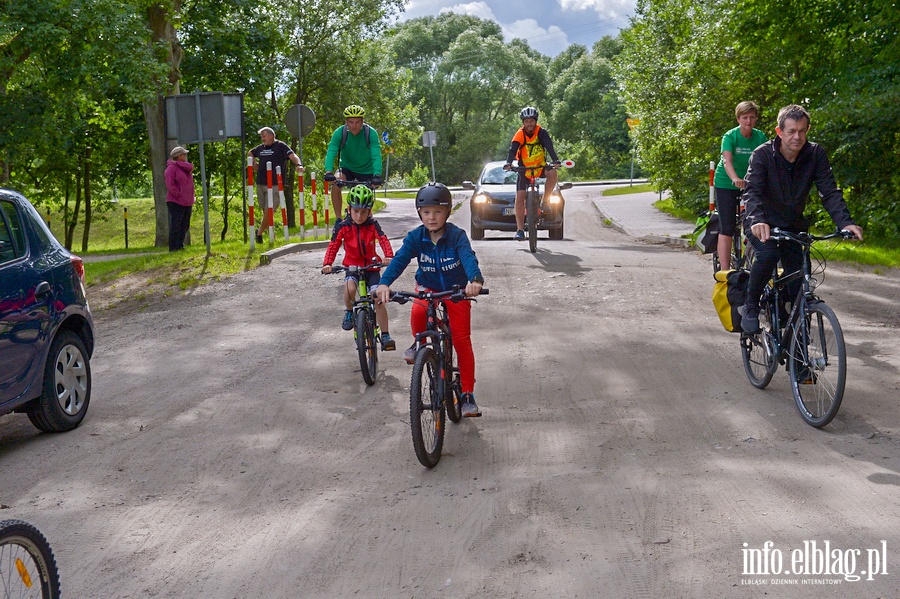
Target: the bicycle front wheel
pixel 426 410
pixel 534 209
pixel 818 364
pixel 27 565
pixel 366 346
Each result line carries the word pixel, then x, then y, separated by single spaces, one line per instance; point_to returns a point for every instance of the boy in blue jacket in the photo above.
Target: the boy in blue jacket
pixel 445 258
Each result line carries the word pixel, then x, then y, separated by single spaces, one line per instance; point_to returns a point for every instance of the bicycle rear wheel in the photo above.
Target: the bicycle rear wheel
pixel 534 209
pixel 818 365
pixel 366 346
pixel 758 350
pixel 27 565
pixel 426 410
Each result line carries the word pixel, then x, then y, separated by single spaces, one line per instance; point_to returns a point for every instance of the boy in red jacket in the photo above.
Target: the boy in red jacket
pixel 358 234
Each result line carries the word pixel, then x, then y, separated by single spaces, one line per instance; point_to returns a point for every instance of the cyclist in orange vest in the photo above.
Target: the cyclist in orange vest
pixel 530 146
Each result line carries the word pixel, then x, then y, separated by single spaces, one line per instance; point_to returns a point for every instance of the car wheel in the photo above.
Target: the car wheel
pixel 476 232
pixel 557 234
pixel 67 386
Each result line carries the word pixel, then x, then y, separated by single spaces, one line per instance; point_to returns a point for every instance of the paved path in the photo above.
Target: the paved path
pixel 635 215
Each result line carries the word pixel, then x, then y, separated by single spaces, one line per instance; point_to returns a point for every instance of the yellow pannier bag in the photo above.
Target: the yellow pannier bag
pixel 729 293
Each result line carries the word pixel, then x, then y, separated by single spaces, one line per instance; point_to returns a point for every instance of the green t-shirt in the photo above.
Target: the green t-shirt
pixel 740 148
pixel 356 156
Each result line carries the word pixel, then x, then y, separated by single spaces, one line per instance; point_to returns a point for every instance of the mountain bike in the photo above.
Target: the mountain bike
pixel 366 332
pixel 535 209
pixel 808 340
pixel 27 565
pixel 435 387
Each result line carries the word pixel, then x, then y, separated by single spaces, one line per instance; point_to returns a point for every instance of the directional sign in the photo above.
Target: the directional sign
pixel 384 137
pixel 632 123
pixel 429 139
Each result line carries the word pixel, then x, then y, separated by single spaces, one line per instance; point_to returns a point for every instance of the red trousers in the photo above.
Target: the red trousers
pixel 460 314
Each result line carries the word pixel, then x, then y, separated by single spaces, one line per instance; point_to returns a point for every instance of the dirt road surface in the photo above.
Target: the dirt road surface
pixel 233 450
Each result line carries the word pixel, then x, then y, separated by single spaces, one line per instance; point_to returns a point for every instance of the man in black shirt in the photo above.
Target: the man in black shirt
pixel 778 181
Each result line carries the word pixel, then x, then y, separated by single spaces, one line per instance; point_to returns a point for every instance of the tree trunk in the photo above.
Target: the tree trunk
pixel 86 233
pixel 225 204
pixel 70 230
pixel 159 19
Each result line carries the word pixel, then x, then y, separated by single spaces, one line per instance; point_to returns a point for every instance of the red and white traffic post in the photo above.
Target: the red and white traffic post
pixel 251 196
pixel 712 191
pixel 284 219
pixel 327 201
pixel 315 208
pixel 301 202
pixel 270 207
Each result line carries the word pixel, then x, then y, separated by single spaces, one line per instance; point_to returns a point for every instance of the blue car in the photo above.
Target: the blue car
pixel 46 328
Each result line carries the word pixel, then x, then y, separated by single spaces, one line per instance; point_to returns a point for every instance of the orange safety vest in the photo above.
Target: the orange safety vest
pixel 531 152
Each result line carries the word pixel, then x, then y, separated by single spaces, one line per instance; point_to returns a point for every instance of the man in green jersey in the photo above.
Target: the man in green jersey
pixel 359 149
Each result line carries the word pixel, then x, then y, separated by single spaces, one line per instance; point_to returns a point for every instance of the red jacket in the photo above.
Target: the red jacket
pixel 358 241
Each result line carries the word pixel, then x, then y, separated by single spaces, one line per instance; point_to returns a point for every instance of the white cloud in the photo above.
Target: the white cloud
pixel 475 9
pixel 551 40
pixel 604 8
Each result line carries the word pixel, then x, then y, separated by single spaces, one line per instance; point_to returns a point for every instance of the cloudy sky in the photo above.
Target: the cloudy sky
pixel 548 25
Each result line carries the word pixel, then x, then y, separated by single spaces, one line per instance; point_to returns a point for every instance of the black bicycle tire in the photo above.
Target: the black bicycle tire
pixel 26 537
pixel 534 208
pixel 366 346
pixel 758 351
pixel 452 390
pixel 426 369
pixel 807 396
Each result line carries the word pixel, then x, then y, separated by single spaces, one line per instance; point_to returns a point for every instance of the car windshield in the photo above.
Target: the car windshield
pixel 498 176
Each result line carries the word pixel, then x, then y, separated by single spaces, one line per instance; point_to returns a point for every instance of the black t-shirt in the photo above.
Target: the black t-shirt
pixel 277 154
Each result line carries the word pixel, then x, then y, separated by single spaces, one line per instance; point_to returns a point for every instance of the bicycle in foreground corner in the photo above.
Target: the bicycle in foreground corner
pixel 535 209
pixel 808 340
pixel 366 332
pixel 27 565
pixel 435 390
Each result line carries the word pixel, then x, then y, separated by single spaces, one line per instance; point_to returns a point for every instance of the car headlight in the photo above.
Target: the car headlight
pixel 555 198
pixel 480 199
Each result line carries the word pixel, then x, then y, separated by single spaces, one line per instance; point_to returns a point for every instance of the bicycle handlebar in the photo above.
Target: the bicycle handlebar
pixel 805 238
pixel 454 295
pixel 341 183
pixel 354 269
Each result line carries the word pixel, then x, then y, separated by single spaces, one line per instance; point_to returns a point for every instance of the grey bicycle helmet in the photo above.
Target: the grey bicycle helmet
pixel 434 194
pixel 529 112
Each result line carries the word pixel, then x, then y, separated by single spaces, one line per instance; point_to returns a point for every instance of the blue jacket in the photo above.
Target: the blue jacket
pixel 451 261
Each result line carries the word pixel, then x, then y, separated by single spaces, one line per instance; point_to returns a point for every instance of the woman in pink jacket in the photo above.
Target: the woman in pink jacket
pixel 179 197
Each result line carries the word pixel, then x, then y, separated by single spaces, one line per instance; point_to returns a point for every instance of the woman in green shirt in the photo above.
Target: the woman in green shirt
pixel 737 145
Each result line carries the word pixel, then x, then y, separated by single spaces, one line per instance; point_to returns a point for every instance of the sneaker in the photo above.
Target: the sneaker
pixel 469 407
pixel 410 354
pixel 387 344
pixel 749 318
pixel 520 235
pixel 347 323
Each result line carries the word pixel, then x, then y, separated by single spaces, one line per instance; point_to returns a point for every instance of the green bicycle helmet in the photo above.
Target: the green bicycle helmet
pixel 361 197
pixel 354 111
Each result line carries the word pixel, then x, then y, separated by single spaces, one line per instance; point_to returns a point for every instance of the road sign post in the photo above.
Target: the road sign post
pixel 429 140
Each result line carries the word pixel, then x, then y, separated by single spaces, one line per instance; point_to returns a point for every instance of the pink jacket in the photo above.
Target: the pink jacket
pixel 180 182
